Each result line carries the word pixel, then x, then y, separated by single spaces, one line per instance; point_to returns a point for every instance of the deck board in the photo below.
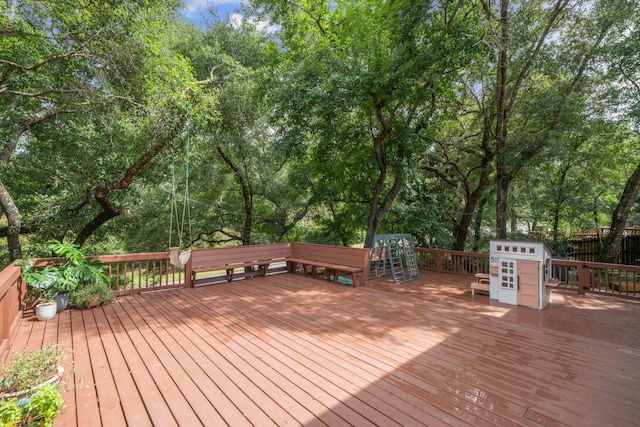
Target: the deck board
pixel 294 350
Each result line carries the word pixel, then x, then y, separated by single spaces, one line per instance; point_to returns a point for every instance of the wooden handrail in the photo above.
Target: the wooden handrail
pixel 12 296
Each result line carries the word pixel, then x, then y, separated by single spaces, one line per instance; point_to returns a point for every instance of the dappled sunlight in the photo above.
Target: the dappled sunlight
pixel 500 312
pixel 595 302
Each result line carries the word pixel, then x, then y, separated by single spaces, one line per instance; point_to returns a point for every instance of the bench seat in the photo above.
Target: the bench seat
pixel 336 261
pixel 238 257
pixel 230 268
pixel 333 260
pixel 479 286
pixel 311 267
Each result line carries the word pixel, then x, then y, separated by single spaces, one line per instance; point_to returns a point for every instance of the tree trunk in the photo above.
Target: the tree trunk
pixel 558 199
pixel 101 194
pixel 461 225
pixel 504 108
pixel 377 214
pixel 477 228
pixel 619 218
pixel 247 197
pixel 513 220
pixel 13 219
pixel 93 225
pixel 501 124
pixel 6 201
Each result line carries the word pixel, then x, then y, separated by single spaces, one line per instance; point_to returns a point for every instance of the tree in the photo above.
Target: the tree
pixel 369 74
pixel 518 104
pixel 508 89
pixel 82 66
pixel 626 66
pixel 243 176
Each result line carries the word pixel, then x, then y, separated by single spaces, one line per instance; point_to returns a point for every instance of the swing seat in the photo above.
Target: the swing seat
pixel 178 257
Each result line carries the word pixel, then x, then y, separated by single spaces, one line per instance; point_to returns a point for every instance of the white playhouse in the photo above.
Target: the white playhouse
pixel 519 272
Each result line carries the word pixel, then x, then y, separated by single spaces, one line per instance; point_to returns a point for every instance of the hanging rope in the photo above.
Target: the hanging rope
pixel 177 256
pixel 186 205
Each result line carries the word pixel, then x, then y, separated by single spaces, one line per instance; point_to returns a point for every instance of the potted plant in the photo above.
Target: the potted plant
pixel 29 387
pixel 41 281
pixel 91 294
pixel 67 272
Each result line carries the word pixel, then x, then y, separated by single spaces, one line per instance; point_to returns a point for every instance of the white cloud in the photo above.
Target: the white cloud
pixel 262 26
pixel 236 20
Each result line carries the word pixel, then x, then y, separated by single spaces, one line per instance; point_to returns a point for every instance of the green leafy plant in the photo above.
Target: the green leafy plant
pixel 44 406
pixel 41 280
pixel 10 413
pixel 31 368
pixel 40 409
pixel 91 294
pixel 69 270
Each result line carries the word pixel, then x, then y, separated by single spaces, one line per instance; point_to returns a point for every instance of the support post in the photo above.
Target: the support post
pixel 189 280
pixel 584 279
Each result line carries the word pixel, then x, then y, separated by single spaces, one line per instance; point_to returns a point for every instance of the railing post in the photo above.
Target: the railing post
pixel 584 278
pixel 188 279
pixel 439 262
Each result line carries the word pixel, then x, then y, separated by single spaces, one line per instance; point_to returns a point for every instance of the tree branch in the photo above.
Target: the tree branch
pixel 20 128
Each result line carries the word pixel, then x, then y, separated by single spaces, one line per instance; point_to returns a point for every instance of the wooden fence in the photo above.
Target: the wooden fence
pixel 589 250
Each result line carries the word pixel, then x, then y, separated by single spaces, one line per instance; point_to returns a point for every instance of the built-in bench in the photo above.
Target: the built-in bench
pixel 234 261
pixel 332 262
pixel 336 263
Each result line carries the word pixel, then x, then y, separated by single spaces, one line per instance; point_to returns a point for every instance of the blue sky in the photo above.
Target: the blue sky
pixel 197 11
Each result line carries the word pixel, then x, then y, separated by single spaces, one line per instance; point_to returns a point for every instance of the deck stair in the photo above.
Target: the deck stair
pixel 393 254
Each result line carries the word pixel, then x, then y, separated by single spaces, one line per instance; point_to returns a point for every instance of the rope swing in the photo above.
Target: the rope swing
pixel 177 256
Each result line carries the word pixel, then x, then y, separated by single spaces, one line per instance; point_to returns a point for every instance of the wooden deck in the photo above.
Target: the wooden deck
pixel 292 350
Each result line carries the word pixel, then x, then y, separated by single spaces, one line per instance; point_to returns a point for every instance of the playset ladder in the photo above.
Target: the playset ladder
pixel 393 254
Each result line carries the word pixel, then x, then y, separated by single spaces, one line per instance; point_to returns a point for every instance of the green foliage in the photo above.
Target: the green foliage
pixel 361 88
pixel 91 294
pixel 297 115
pixel 10 413
pixel 67 272
pixel 40 409
pixel 31 368
pixel 123 94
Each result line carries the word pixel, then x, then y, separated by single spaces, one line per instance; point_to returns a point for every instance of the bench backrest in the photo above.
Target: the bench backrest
pixel 342 255
pixel 203 259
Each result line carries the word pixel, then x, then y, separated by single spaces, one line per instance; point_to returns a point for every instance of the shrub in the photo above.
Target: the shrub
pixel 31 368
pixel 90 294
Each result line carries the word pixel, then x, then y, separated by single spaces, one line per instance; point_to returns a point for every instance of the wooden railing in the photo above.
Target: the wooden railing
pixel 597 277
pixel 456 262
pixel 12 294
pixel 582 277
pixel 135 273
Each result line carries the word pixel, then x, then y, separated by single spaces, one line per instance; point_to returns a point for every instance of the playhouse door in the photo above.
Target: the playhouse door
pixel 528 283
pixel 508 281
